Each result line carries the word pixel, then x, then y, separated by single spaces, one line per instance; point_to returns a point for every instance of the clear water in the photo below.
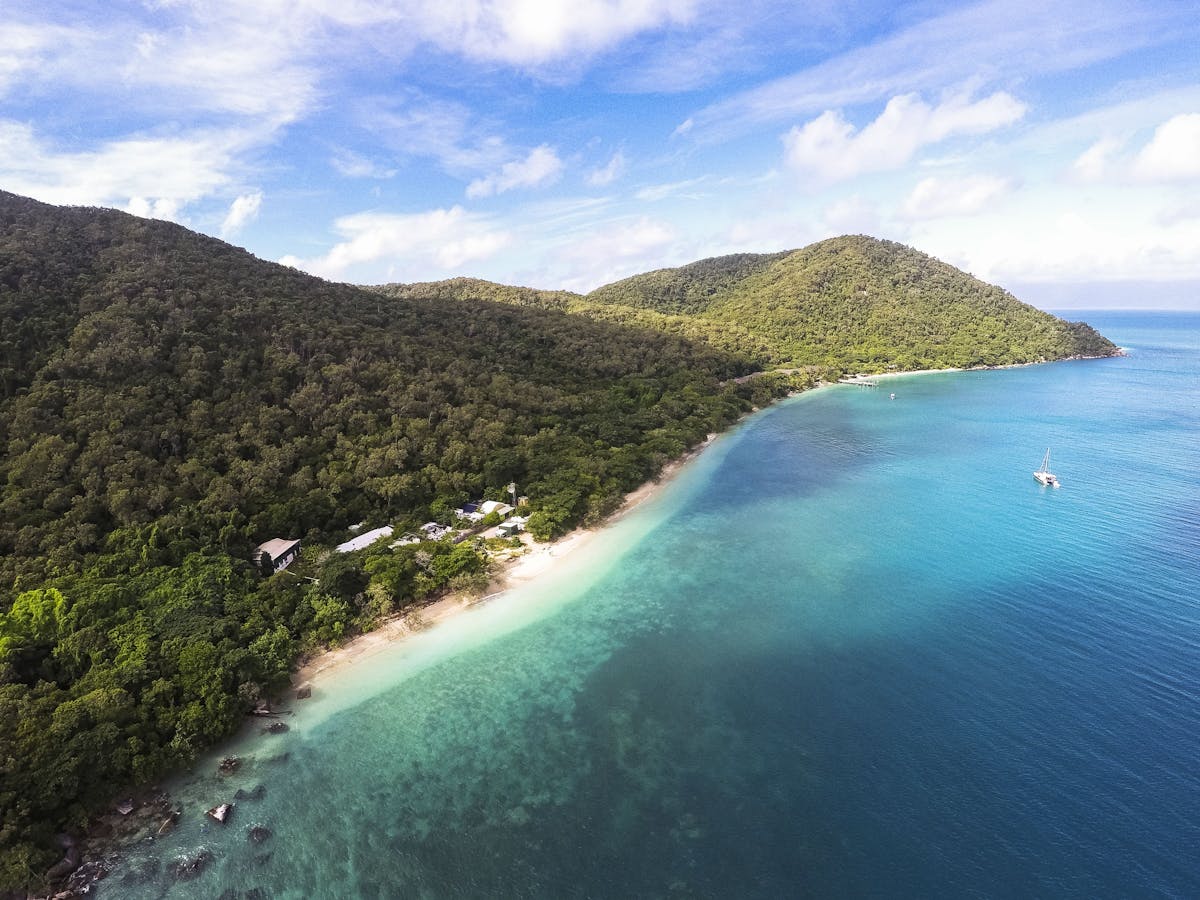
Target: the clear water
pixel 854 650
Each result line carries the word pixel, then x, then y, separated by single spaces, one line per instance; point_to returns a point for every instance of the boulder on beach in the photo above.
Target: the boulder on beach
pixel 228 765
pixel 276 728
pixel 304 691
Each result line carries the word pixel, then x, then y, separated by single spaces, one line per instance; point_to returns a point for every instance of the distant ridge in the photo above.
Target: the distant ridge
pixel 852 303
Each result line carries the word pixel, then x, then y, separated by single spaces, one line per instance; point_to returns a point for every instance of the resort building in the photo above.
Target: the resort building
pixel 364 540
pixel 494 506
pixel 512 526
pixel 277 552
pixel 470 511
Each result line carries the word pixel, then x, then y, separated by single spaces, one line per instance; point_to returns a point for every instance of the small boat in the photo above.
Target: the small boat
pixel 1044 475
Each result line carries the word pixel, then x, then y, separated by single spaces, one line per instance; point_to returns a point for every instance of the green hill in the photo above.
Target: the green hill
pixel 848 304
pixel 168 401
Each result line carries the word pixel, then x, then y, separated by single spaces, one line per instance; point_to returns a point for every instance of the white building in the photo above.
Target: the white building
pixel 364 540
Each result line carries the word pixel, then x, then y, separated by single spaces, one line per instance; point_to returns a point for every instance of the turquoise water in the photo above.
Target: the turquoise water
pixel 855 649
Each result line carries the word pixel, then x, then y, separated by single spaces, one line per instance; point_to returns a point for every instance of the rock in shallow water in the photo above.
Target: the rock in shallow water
pixel 188 867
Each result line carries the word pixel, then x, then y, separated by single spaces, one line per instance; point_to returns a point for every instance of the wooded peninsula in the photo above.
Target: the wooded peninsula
pixel 169 402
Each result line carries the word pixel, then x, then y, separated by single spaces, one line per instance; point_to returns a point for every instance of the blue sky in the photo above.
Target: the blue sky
pixel 1052 148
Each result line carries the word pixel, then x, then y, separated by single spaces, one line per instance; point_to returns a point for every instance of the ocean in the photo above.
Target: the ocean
pixel 854 649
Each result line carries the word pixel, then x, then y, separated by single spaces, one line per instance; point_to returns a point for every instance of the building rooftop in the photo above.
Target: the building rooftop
pixel 364 540
pixel 276 547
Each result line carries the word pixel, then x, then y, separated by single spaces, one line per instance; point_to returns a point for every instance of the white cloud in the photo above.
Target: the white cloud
pixel 934 198
pixel 242 211
pixel 26 49
pixel 1173 154
pixel 541 167
pixel 609 172
pixel 528 33
pixel 419 245
pixel 245 65
pixel 1185 211
pixel 655 192
pixel 852 215
pixel 148 174
pixel 1110 234
pixel 414 124
pixel 166 208
pixel 1097 161
pixel 354 165
pixel 612 251
pixel 831 148
pixel 1001 40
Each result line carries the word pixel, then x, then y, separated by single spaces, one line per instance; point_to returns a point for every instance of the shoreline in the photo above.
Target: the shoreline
pixel 508 575
pixel 1120 352
pixel 154 806
pixel 527 567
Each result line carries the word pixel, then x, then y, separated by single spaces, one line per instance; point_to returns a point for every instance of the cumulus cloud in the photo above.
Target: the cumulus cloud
pixel 541 167
pixel 528 33
pixel 833 149
pixel 609 172
pixel 148 175
pixel 416 244
pixel 242 211
pixel 1006 39
pixel 166 208
pixel 1173 153
pixel 935 198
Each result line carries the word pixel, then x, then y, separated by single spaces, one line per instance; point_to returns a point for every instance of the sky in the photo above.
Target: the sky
pixel 1051 148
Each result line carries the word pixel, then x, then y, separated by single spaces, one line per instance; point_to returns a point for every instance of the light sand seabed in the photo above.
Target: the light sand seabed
pixel 540 560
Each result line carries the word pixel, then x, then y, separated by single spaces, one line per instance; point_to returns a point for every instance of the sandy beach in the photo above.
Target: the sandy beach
pixel 537 560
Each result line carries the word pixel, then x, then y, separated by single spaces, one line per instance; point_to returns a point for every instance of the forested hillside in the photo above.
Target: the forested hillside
pixel 168 401
pixel 848 304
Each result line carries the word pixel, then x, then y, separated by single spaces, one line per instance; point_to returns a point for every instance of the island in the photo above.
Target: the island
pixel 190 434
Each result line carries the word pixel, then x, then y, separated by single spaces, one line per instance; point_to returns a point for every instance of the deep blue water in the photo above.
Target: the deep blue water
pixel 855 650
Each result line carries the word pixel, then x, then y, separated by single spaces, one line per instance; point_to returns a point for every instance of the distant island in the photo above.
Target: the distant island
pixel 187 433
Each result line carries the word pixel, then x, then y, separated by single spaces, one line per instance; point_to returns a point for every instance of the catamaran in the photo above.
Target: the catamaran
pixel 1044 475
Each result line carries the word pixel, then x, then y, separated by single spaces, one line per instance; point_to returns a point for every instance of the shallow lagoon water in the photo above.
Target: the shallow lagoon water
pixel 854 649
